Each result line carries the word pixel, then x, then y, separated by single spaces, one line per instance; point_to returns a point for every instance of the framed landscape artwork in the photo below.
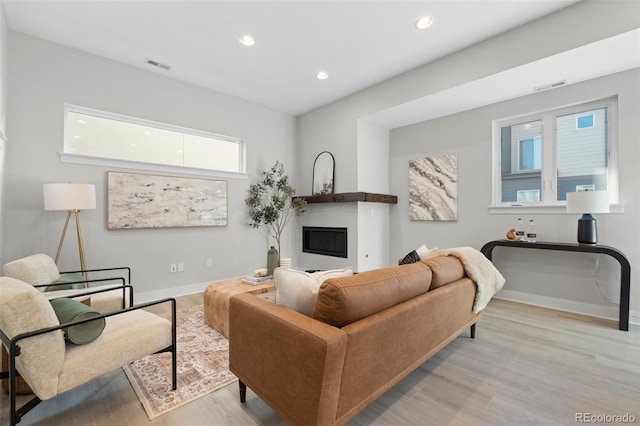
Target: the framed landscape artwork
pixel 433 188
pixel 150 201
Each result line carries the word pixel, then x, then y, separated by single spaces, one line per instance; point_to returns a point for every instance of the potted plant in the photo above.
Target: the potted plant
pixel 271 202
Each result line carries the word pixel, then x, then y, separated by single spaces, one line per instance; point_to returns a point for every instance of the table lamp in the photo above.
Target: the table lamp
pixel 587 202
pixel 72 197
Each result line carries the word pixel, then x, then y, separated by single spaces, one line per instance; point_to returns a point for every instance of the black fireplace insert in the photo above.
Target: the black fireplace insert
pixel 325 241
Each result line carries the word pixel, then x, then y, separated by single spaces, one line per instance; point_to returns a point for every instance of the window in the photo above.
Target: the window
pixel 99 135
pixel 540 157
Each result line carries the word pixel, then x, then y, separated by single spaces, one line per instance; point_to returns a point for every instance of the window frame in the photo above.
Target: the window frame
pixel 67 156
pixel 549 178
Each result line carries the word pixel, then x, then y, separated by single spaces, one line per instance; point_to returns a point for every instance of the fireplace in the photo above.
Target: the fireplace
pixel 325 241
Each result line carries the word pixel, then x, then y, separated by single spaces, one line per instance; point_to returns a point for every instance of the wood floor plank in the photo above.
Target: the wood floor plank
pixel 526 366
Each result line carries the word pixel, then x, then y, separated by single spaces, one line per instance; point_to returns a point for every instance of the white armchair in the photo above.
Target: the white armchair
pixel 41 271
pixel 34 339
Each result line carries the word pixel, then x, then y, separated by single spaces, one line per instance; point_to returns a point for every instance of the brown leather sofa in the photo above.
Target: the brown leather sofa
pixel 366 333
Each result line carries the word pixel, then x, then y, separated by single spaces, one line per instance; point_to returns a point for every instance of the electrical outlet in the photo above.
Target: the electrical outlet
pixel 181 267
pixel 174 267
pixel 209 263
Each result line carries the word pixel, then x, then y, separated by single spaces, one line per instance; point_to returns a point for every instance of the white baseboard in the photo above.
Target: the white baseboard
pixel 150 296
pixel 599 311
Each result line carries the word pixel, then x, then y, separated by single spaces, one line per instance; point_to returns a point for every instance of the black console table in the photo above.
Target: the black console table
pixel 625 267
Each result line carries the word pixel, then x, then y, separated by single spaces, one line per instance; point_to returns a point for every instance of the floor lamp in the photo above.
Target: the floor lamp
pixel 72 197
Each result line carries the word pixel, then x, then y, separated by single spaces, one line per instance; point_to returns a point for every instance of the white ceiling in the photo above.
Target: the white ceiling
pixel 597 59
pixel 359 43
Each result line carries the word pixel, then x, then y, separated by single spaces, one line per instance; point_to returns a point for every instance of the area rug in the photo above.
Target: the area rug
pixel 203 367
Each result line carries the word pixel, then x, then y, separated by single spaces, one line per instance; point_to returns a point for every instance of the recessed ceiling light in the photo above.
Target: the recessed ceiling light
pixel 322 75
pixel 247 40
pixel 424 22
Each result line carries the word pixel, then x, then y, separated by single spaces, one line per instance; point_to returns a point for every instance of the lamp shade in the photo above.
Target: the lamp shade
pixel 588 202
pixel 69 196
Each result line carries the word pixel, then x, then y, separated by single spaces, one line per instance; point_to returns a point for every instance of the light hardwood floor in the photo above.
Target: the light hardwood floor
pixel 526 366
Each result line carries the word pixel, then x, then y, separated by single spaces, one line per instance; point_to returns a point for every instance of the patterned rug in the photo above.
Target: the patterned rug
pixel 203 367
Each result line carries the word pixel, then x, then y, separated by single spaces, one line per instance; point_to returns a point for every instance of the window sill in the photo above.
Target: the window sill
pixel 543 209
pixel 125 164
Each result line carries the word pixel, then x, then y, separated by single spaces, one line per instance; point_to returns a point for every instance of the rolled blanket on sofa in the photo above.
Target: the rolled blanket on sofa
pixel 480 269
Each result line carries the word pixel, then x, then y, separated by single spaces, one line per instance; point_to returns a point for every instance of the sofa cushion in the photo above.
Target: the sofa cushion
pixel 342 301
pixel 444 269
pixel 298 290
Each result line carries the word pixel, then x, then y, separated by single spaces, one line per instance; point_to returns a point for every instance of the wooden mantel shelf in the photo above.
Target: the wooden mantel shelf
pixel 346 197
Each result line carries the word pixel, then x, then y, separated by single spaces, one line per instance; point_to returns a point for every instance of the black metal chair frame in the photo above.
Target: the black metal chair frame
pixel 98 280
pixel 128 269
pixel 14 349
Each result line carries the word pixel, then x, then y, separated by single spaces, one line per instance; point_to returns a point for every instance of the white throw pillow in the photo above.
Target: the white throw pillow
pixel 298 290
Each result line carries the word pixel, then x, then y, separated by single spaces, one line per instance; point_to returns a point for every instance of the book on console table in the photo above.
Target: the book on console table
pixel 250 279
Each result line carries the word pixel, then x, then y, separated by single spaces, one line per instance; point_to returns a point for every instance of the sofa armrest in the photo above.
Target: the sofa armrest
pixel 293 362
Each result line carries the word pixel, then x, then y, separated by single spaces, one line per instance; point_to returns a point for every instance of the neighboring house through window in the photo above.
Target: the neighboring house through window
pixel 543 156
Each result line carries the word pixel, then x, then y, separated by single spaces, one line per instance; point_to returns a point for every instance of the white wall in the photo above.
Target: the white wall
pixel 373 155
pixel 373 176
pixel 373 236
pixel 44 76
pixel 339 215
pixel 334 127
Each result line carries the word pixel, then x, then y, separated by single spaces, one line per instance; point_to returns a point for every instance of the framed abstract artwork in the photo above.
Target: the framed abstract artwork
pixel 149 201
pixel 433 188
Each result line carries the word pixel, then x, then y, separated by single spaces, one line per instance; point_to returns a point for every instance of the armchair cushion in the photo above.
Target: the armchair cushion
pixel 35 269
pixel 25 309
pixel 69 310
pixel 115 347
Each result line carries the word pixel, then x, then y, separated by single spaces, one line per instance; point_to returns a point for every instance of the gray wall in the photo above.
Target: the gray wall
pixel 4 36
pixel 44 76
pixel 334 128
